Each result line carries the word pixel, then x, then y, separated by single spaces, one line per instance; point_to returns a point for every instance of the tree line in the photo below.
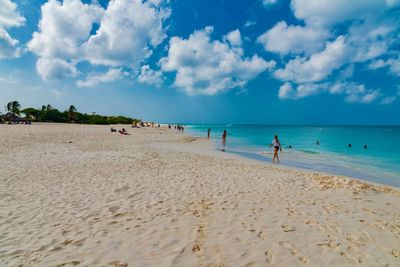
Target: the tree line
pixel 50 114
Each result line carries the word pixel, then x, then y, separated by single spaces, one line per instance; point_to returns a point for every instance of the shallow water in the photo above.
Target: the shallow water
pixel 380 162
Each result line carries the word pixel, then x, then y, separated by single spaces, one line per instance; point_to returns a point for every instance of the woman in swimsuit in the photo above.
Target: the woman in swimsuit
pixel 277 146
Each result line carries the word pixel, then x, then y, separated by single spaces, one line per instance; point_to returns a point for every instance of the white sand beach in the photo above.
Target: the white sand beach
pixel 79 195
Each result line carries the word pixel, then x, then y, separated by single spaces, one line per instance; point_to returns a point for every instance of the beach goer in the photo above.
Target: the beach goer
pixel 317 142
pixel 277 146
pixel 349 145
pixel 208 133
pixel 123 131
pixel 224 138
pixel 365 146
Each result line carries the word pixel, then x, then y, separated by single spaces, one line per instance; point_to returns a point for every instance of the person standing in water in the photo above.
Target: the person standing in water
pixel 277 146
pixel 224 138
pixel 208 133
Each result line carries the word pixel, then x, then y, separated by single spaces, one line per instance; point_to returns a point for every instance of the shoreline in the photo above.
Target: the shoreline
pixel 233 155
pixel 79 195
pixel 367 169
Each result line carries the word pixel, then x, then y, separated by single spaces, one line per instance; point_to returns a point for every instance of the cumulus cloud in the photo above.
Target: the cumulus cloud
pixel 128 32
pixel 205 66
pixel 122 35
pixel 392 63
pixel 150 76
pixel 318 67
pixel 9 17
pixel 312 50
pixel 284 39
pixel 92 80
pixel 286 91
pixel 54 68
pixel 234 38
pixel 353 92
pixel 327 12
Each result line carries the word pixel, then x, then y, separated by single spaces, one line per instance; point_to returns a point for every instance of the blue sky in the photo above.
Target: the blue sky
pixel 206 61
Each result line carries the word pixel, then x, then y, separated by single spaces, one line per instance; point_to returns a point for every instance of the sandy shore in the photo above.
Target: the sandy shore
pixel 75 195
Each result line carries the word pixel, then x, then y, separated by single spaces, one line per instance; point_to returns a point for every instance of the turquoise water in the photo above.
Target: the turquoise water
pixel 380 162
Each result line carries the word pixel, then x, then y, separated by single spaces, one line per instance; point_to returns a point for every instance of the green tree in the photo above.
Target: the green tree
pixel 31 113
pixel 72 113
pixel 14 107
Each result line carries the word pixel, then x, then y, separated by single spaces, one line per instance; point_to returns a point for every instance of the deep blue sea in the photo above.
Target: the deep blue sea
pixel 380 162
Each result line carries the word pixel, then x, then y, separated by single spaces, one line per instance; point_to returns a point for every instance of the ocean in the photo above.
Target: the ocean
pixel 379 162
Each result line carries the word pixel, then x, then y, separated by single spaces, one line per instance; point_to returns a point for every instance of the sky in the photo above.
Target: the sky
pixel 206 61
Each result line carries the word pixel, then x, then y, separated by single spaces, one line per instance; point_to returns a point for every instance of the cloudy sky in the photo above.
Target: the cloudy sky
pixel 206 61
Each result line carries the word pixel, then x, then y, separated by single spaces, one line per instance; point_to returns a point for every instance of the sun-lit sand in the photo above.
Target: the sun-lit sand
pixel 81 195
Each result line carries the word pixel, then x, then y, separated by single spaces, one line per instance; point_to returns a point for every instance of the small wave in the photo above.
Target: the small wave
pixel 309 151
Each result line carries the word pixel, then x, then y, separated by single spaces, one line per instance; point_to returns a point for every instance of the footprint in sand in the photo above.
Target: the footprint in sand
pixel 293 251
pixel 268 256
pixel 71 263
pixel 288 228
pixel 117 264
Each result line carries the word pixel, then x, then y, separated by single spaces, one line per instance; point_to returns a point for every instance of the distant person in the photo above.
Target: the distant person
pixel 290 146
pixel 365 146
pixel 113 130
pixel 123 131
pixel 277 146
pixel 349 145
pixel 317 142
pixel 208 133
pixel 224 138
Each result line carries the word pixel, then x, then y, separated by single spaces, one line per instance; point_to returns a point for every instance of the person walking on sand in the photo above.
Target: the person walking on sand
pixel 277 146
pixel 224 138
pixel 208 133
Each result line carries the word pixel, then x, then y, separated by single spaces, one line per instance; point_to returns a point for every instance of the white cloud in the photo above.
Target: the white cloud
pixel 355 93
pixel 334 35
pixel 63 28
pixel 286 91
pixel 318 67
pixel 92 80
pixel 54 68
pixel 377 64
pixel 284 39
pixel 388 100
pixel 394 66
pixel 250 23
pixel 328 12
pixel 392 63
pixel 269 2
pixel 234 38
pixel 150 76
pixel 207 67
pixel 126 31
pixel 9 17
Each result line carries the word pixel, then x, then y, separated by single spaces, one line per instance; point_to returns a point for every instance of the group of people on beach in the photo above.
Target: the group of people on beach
pixel 122 131
pixel 178 127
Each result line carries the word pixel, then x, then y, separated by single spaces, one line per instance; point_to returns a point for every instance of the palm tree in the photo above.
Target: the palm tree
pixel 14 107
pixel 49 107
pixel 71 113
